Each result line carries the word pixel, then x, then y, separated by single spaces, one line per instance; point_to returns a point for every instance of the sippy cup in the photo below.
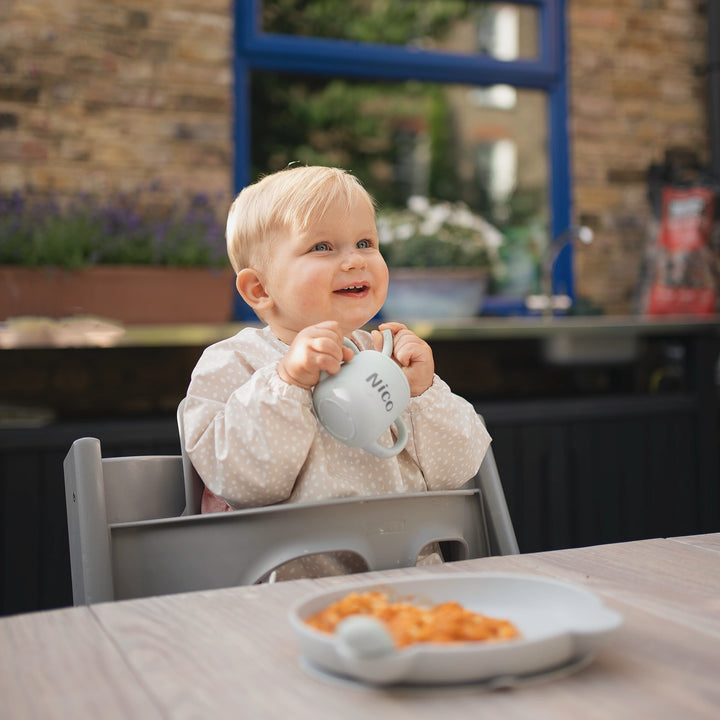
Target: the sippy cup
pixel 362 400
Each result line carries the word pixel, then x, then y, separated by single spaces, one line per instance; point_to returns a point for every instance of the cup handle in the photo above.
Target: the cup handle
pixel 387 343
pixel 382 451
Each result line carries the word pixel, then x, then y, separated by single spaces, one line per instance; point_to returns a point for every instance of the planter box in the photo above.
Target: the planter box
pixel 434 293
pixel 126 293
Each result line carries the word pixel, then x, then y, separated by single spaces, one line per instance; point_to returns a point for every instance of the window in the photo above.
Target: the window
pixel 456 100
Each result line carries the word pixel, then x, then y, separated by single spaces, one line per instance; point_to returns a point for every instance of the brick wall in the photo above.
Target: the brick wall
pixel 635 90
pixel 121 92
pixel 97 94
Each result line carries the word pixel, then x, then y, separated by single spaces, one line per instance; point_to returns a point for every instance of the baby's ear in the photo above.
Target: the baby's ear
pixel 252 290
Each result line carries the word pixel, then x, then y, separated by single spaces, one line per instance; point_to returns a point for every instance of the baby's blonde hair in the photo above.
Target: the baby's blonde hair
pixel 290 198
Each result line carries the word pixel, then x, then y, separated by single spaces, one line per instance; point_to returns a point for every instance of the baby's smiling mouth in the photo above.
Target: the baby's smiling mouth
pixel 352 289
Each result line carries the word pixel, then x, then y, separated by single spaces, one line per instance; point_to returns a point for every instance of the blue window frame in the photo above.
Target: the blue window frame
pixel 258 50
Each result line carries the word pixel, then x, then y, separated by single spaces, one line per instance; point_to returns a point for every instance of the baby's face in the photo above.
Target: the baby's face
pixel 331 271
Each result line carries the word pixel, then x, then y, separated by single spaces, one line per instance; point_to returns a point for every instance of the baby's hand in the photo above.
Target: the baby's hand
pixel 412 354
pixel 314 349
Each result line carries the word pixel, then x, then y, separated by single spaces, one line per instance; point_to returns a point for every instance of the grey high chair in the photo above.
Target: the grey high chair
pixel 134 529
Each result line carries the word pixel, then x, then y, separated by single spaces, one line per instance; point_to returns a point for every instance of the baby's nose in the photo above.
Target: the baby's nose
pixel 353 259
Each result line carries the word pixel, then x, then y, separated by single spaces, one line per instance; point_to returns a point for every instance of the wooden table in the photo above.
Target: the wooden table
pixel 231 653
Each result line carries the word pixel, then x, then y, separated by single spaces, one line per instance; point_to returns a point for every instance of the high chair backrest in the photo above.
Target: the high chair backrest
pixel 496 516
pixel 101 492
pixel 193 483
pixel 128 537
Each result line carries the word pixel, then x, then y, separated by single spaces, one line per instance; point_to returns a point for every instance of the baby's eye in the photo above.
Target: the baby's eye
pixel 364 244
pixel 321 247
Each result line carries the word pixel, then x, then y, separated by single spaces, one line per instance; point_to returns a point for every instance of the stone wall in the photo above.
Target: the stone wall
pixel 117 93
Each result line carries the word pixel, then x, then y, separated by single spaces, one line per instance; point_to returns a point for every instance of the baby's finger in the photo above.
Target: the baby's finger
pixel 410 349
pixel 329 326
pixel 402 339
pixel 395 327
pixel 377 340
pixel 330 363
pixel 328 346
pixel 405 353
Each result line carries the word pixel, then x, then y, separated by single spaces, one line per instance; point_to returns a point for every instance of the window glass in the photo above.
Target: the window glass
pixel 484 146
pixel 506 31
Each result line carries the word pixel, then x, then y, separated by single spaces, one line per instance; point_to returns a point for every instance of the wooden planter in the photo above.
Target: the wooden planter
pixel 131 294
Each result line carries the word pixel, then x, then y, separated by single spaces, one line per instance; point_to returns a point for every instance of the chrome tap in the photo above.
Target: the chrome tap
pixel 547 302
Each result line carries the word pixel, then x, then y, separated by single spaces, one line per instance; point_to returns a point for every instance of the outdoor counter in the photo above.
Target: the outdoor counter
pixel 49 333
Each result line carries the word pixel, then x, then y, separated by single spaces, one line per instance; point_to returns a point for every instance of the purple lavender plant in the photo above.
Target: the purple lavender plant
pixel 125 228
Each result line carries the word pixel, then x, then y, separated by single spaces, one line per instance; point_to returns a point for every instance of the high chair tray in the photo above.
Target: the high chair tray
pixel 561 626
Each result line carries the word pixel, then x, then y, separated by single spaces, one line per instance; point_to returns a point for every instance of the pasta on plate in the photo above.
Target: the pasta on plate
pixel 410 623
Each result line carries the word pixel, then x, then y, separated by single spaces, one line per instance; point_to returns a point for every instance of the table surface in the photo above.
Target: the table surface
pixel 231 653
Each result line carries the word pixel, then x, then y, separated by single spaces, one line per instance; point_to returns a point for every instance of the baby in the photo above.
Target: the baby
pixel 305 248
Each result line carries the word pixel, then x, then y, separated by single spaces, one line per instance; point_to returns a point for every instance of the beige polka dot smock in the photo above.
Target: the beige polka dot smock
pixel 255 440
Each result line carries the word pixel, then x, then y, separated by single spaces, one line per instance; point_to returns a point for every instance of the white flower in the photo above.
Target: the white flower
pixel 442 222
pixel 430 227
pixel 491 235
pixel 462 217
pixel 439 213
pixel 404 231
pixel 385 231
pixel 418 204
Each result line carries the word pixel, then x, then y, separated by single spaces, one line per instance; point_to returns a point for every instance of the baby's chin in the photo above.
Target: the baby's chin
pixel 351 327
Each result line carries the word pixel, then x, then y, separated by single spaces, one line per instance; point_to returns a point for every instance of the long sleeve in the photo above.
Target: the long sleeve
pixel 449 441
pixel 248 433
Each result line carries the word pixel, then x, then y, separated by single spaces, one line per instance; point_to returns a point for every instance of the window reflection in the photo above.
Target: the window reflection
pixel 486 146
pixel 441 141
